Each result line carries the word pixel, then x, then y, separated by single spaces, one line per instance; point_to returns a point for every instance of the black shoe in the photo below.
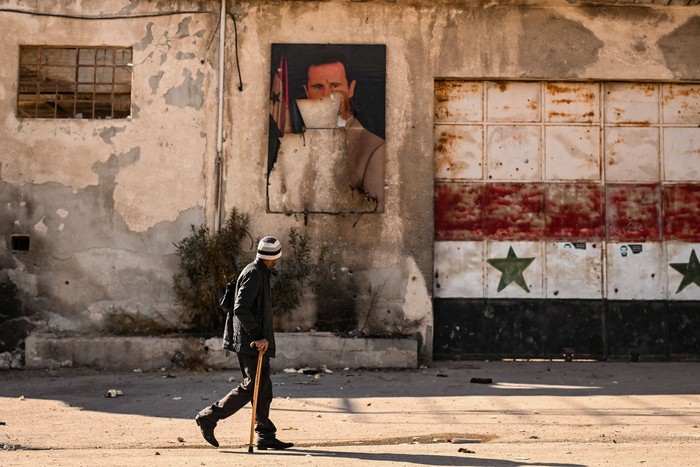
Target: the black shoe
pixel 207 431
pixel 264 444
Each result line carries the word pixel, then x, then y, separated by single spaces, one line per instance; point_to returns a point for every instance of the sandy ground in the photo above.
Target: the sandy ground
pixel 533 413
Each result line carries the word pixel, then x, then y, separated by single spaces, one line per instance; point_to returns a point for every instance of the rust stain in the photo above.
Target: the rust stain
pixel 557 89
pixel 446 91
pixel 445 157
pixel 674 91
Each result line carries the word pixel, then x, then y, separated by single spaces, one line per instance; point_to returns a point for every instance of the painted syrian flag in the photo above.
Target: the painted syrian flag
pixel 567 190
pixel 575 240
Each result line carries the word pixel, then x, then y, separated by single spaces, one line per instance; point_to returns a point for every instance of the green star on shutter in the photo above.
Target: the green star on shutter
pixel 511 268
pixel 690 271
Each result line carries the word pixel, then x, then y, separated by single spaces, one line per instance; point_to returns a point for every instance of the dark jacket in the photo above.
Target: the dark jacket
pixel 250 318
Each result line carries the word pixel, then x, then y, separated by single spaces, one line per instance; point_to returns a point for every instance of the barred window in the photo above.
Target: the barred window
pixel 74 82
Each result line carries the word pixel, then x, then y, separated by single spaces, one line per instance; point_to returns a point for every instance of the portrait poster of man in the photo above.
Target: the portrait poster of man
pixel 326 145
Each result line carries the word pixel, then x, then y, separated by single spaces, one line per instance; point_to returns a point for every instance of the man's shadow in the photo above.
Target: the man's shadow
pixel 418 459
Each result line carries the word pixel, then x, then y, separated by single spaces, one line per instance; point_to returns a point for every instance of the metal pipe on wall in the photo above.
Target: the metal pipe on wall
pixel 220 119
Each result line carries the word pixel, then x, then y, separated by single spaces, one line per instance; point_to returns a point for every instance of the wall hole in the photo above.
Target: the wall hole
pixel 20 242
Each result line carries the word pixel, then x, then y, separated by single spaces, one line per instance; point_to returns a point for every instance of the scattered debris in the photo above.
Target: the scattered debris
pixel 178 359
pixel 481 380
pixel 465 450
pixel 177 398
pixel 441 375
pixel 181 439
pixel 114 393
pixel 464 440
pixel 137 370
pixel 12 360
pixel 21 398
pixel 157 453
pixel 308 370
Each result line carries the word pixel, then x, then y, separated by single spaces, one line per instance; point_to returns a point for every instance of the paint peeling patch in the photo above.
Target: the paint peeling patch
pixel 633 212
pixel 680 49
pixel 547 41
pixel 681 212
pixel 189 93
pixel 41 227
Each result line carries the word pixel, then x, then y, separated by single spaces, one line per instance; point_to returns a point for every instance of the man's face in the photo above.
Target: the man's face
pixel 328 78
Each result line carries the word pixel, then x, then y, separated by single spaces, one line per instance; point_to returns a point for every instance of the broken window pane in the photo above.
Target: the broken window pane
pixel 74 82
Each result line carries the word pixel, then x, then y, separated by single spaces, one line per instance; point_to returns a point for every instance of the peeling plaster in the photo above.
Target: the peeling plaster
pixel 154 81
pixel 183 29
pixel 553 46
pixel 147 40
pixel 683 61
pixel 108 133
pixel 188 94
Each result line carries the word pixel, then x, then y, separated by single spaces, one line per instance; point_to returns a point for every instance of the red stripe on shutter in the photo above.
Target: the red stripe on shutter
pixel 682 212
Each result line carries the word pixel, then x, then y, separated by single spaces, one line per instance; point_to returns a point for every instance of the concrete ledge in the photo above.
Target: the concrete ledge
pixel 295 350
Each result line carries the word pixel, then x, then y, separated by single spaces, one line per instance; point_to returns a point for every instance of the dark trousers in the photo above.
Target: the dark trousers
pixel 243 393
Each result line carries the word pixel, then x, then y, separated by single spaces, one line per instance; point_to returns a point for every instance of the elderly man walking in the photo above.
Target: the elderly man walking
pixel 247 332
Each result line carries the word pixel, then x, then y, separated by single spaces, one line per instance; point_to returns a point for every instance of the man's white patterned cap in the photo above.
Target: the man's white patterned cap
pixel 269 248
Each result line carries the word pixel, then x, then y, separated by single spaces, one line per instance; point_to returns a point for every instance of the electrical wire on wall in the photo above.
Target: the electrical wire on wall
pixel 104 17
pixel 235 42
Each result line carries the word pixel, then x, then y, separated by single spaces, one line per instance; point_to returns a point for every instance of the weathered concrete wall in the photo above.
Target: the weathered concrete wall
pixel 393 252
pixel 297 350
pixel 104 200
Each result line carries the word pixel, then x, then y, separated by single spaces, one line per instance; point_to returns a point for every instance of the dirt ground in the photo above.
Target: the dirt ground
pixel 550 413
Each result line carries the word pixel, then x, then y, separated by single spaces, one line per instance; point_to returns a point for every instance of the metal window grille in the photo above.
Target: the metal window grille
pixel 74 82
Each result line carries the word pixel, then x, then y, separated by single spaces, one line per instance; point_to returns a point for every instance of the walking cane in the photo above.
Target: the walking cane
pixel 255 398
